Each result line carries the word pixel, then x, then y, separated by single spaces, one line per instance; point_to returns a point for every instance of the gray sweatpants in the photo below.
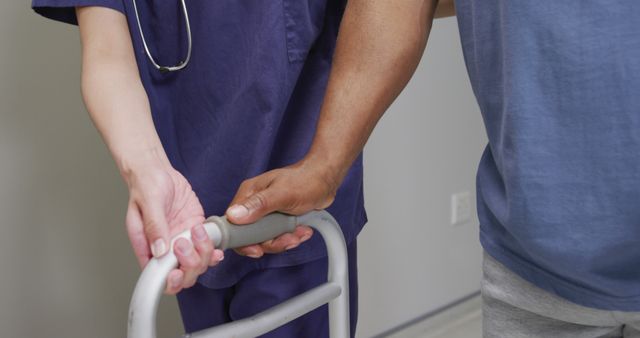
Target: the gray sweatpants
pixel 514 308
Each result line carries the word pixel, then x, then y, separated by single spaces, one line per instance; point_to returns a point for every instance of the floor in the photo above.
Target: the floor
pixel 471 327
pixel 462 321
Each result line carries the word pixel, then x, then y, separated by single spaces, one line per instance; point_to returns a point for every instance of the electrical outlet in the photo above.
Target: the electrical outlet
pixel 460 208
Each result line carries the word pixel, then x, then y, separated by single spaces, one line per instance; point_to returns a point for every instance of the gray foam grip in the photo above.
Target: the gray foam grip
pixel 267 228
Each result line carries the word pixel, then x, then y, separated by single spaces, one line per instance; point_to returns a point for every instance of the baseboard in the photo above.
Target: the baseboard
pixel 438 319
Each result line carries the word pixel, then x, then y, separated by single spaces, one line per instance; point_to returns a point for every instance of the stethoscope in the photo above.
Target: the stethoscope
pixel 180 64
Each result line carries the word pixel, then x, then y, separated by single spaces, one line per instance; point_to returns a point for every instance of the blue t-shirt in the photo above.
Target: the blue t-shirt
pixel 558 84
pixel 247 102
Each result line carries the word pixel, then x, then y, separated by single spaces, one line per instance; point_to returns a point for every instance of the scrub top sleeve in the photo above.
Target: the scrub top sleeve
pixel 64 10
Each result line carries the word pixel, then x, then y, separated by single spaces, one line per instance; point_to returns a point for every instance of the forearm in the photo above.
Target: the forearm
pixel 445 9
pixel 113 92
pixel 379 47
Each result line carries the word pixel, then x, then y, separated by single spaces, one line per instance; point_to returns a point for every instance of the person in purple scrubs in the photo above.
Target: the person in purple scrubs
pixel 246 102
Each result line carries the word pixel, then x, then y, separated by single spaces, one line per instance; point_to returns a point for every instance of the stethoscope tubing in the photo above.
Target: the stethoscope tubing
pixel 183 63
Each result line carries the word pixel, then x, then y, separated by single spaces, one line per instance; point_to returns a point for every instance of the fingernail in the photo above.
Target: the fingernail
pixel 291 246
pixel 184 247
pixel 176 281
pixel 200 234
pixel 254 254
pixel 306 236
pixel 238 211
pixel 219 255
pixel 158 248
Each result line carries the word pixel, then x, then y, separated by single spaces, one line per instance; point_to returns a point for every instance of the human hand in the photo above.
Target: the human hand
pixel 162 205
pixel 161 202
pixel 293 190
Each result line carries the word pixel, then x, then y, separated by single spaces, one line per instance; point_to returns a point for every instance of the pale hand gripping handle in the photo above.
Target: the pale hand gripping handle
pixel 225 235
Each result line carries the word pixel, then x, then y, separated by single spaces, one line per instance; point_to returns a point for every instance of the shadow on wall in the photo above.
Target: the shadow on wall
pixel 66 266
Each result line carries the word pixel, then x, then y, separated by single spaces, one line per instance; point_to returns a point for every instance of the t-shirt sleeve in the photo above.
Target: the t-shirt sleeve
pixel 64 10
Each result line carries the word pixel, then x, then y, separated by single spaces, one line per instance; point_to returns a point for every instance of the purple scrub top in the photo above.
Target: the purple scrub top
pixel 247 102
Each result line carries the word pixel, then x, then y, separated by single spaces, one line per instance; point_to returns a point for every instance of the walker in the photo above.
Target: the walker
pixel 150 286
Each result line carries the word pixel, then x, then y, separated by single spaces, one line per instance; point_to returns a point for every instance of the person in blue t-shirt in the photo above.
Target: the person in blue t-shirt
pixel 558 85
pixel 192 99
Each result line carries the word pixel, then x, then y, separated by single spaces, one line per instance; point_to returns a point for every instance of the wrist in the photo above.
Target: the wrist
pixel 330 172
pixel 141 160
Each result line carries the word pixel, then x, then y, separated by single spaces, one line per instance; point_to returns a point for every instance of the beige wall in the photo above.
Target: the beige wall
pixel 65 265
pixel 427 147
pixel 66 269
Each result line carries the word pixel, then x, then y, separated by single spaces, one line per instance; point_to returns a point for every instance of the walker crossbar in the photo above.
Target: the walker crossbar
pixel 146 296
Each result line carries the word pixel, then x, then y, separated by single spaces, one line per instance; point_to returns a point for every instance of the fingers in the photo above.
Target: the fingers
pixel 253 251
pixel 287 241
pixel 174 282
pixel 255 199
pixel 293 190
pixel 193 258
pixel 204 247
pixel 189 260
pixel 156 228
pixel 216 257
pixel 281 243
pixel 135 230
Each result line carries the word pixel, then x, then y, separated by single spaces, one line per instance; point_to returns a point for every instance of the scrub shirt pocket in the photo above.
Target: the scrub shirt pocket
pixel 304 20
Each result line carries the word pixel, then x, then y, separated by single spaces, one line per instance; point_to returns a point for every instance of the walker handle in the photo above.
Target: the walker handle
pixel 269 227
pixel 152 281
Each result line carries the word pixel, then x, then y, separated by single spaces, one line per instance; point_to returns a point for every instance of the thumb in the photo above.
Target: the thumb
pixel 135 230
pixel 156 229
pixel 256 206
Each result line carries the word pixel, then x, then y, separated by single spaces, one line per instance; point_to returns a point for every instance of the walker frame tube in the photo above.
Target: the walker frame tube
pixel 146 296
